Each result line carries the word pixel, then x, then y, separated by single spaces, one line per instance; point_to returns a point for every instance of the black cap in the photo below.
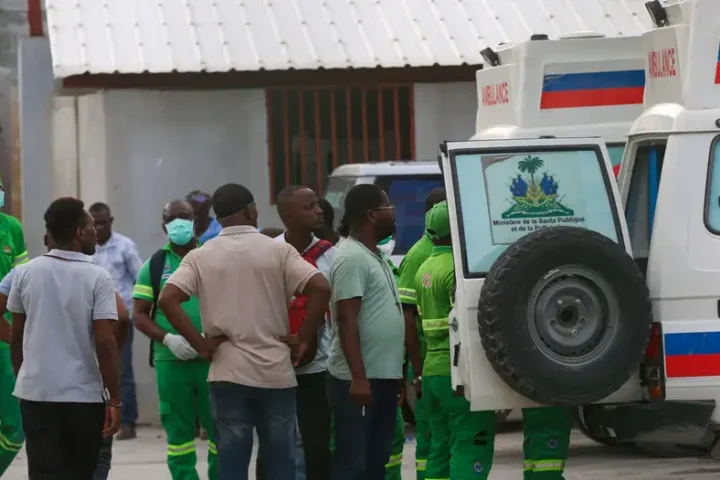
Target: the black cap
pixel 230 199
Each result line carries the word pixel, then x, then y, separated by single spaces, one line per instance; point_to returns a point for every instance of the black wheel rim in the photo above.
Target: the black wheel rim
pixel 573 316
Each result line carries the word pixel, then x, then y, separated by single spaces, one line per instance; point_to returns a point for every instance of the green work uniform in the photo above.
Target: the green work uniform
pixel 415 257
pixel 14 252
pixel 461 441
pixel 546 443
pixel 183 389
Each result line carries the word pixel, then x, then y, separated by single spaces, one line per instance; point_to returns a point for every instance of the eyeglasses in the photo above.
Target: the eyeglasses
pixel 385 207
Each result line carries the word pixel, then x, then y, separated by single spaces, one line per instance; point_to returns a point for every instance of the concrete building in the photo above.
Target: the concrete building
pixel 135 102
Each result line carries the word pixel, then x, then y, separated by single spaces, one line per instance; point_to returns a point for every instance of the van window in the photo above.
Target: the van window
pixel 335 195
pixel 712 202
pixel 503 195
pixel 408 193
pixel 642 197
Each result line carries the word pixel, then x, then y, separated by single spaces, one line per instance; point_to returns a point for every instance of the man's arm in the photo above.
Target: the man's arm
pixel 4 324
pixel 408 298
pixel 348 282
pixel 106 348
pixel 20 254
pixel 122 326
pixel 182 284
pixel 17 334
pixel 143 297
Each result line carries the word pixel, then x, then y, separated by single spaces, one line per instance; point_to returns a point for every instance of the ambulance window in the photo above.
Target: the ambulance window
pixel 503 195
pixel 642 197
pixel 712 206
pixel 408 194
pixel 616 150
pixel 335 194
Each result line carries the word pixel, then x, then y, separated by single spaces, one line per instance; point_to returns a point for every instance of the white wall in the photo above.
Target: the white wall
pixel 443 111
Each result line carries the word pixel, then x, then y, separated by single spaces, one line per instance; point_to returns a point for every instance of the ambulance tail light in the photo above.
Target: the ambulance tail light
pixel 651 369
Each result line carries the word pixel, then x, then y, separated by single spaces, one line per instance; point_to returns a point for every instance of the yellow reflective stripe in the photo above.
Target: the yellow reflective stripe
pixel 420 465
pixel 178 450
pixel 429 324
pixel 143 292
pixel 9 446
pixel 407 294
pixel 528 465
pixel 22 258
pixel 212 448
pixel 553 465
pixel 394 460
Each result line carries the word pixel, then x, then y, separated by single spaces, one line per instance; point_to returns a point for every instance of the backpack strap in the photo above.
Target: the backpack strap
pixel 317 250
pixel 157 265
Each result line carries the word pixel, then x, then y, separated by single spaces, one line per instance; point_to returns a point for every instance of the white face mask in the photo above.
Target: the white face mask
pixel 387 248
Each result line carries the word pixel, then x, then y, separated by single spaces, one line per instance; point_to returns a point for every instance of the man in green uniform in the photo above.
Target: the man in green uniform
pixel 415 257
pixel 14 252
pixel 181 374
pixel 546 442
pixel 461 441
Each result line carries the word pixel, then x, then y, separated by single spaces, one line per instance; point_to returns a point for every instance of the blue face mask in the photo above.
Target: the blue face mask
pixel 180 231
pixel 2 198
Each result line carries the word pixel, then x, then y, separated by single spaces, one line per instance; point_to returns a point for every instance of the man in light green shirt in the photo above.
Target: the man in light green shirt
pixel 367 350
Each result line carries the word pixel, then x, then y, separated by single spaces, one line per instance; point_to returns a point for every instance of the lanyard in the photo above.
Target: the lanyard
pixel 386 270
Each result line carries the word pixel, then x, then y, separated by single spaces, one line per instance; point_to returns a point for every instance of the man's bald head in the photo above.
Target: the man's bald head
pixel 177 209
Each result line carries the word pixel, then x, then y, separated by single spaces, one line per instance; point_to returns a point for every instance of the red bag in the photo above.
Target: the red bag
pixel 298 304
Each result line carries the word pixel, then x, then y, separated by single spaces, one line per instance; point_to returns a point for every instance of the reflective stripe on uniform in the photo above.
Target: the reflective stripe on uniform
pixel 9 446
pixel 420 464
pixel 22 258
pixel 548 465
pixel 394 460
pixel 528 465
pixel 212 448
pixel 430 324
pixel 142 291
pixel 407 295
pixel 178 450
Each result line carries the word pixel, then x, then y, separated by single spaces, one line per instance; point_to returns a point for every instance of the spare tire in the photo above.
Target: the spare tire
pixel 565 316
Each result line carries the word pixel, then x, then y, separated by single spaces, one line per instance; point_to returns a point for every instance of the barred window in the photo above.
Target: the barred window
pixel 313 130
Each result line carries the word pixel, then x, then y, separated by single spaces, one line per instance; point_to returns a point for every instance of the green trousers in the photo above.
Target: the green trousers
pixel 461 442
pixel 11 433
pixel 185 396
pixel 546 443
pixel 422 437
pixel 393 469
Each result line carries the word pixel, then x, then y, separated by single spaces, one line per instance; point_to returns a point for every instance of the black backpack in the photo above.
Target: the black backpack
pixel 157 265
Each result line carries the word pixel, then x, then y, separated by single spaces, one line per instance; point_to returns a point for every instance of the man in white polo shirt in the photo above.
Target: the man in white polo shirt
pixel 63 349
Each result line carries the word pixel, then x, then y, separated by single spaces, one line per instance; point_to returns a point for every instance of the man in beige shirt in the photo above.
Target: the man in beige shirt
pixel 244 281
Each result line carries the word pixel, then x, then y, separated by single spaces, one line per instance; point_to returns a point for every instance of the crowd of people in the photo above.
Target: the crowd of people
pixel 305 336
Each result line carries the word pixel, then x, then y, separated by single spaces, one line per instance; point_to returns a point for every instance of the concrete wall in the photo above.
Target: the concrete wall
pixel 443 111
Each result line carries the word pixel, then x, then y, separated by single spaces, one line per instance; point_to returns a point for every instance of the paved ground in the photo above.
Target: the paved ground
pixel 143 459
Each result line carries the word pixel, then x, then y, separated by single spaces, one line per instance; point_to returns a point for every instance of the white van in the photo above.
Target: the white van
pixel 617 303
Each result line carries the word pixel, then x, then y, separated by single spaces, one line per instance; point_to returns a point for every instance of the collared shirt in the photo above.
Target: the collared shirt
pixel 244 281
pixel 120 257
pixel 324 262
pixel 61 297
pixel 212 231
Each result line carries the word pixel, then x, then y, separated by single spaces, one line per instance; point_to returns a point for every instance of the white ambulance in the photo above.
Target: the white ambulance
pixel 617 304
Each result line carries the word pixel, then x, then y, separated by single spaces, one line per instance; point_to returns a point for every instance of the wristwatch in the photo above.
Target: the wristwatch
pixel 416 380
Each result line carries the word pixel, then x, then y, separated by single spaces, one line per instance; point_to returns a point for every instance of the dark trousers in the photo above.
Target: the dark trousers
pixel 363 441
pixel 313 413
pixel 104 460
pixel 237 411
pixel 62 439
pixel 129 413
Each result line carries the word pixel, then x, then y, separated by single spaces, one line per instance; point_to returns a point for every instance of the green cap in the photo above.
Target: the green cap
pixel 437 221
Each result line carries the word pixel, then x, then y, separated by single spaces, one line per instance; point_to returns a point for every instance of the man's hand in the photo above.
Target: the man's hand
pixel 360 392
pixel 402 392
pixel 112 421
pixel 207 351
pixel 179 347
pixel 298 348
pixel 417 385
